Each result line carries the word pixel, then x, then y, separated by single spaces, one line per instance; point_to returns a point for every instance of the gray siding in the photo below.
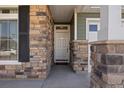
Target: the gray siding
pixel 81 24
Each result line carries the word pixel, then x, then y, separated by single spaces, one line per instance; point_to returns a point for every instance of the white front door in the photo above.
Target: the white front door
pixel 61 43
pixel 92 28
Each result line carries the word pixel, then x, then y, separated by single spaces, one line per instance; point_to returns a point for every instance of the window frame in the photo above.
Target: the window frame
pixel 5 17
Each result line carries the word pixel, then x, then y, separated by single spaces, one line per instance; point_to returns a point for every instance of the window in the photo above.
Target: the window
pixel 8 11
pixel 61 27
pixel 93 28
pixel 5 11
pixel 8 40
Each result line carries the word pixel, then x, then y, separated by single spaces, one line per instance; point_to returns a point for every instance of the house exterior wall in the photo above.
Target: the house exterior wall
pixel 81 24
pixel 79 47
pixel 79 62
pixel 79 50
pixel 41 38
pixel 41 48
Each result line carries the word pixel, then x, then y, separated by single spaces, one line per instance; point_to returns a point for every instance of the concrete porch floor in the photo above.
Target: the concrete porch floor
pixel 61 76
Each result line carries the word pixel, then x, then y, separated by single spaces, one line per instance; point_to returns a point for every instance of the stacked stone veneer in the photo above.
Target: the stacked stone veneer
pixel 41 38
pixel 108 68
pixel 41 48
pixel 79 56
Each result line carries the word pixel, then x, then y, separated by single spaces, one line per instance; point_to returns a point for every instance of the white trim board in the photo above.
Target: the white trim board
pixel 75 24
pixel 10 62
pixel 8 16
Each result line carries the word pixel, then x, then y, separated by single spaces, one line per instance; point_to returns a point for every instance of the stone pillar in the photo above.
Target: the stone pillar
pixel 79 57
pixel 41 40
pixel 108 60
pixel 107 54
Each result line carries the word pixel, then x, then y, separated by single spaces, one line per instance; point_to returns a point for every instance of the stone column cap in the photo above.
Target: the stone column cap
pixel 104 42
pixel 82 41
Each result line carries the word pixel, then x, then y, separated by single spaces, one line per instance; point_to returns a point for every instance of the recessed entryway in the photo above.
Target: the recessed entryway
pixel 61 43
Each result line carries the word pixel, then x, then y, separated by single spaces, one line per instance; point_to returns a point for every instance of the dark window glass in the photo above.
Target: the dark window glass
pixel 6 11
pixel 93 28
pixel 8 40
pixel 61 28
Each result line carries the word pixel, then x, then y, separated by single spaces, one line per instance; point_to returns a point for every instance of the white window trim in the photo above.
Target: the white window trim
pixel 11 17
pixel 9 6
pixel 8 16
pixel 9 62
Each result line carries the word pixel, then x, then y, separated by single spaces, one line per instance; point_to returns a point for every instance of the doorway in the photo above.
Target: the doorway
pixel 92 28
pixel 61 43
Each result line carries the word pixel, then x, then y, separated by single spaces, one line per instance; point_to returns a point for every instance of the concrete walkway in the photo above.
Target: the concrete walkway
pixel 61 76
pixel 21 83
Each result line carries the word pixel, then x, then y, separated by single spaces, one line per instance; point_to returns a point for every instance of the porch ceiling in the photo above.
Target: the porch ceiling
pixel 62 13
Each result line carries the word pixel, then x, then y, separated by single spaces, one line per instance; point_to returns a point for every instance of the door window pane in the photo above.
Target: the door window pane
pixel 92 27
pixel 8 40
